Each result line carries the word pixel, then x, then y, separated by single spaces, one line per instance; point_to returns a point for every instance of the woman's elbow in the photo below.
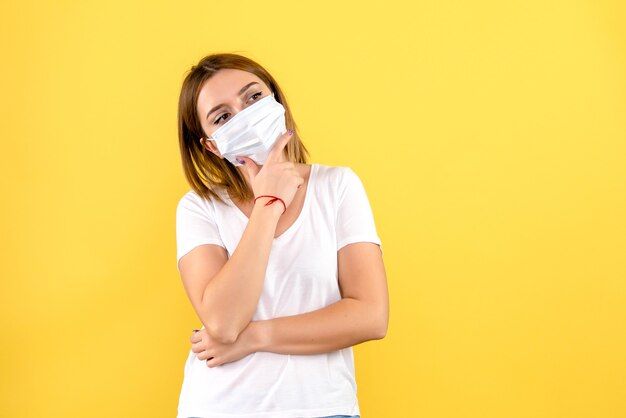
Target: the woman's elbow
pixel 222 334
pixel 381 331
pixel 379 325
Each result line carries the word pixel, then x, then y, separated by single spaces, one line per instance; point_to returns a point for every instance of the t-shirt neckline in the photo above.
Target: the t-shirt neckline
pixel 298 220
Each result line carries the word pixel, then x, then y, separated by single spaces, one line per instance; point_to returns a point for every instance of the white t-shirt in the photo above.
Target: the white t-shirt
pixel 301 277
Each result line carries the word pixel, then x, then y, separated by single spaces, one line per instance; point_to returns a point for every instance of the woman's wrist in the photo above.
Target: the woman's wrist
pixel 274 208
pixel 270 200
pixel 259 335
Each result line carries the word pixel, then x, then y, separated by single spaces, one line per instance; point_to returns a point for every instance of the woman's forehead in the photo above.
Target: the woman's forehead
pixel 225 85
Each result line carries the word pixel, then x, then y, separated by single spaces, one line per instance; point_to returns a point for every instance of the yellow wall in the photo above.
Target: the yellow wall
pixel 491 138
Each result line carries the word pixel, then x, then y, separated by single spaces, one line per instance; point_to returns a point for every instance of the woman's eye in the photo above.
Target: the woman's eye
pixel 218 120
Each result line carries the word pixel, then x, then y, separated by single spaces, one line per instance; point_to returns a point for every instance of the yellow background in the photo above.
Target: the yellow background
pixel 490 136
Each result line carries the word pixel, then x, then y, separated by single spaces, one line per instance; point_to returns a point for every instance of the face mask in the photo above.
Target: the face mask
pixel 251 132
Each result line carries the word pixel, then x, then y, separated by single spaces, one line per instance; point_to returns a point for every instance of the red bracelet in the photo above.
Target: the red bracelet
pixel 272 200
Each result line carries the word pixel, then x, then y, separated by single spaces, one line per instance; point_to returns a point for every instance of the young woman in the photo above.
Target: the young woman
pixel 280 259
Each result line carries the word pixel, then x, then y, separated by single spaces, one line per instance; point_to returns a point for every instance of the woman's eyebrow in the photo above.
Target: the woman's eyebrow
pixel 243 89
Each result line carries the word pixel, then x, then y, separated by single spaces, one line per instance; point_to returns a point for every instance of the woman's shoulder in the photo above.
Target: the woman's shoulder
pixel 331 172
pixel 191 197
pixel 336 176
pixel 193 200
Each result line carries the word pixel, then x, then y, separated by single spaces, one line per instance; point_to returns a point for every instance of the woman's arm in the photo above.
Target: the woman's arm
pixel 225 291
pixel 361 315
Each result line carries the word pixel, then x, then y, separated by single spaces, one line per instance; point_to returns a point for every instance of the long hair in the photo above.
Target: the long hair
pixel 206 172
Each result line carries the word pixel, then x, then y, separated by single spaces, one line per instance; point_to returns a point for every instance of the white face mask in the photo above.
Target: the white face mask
pixel 251 132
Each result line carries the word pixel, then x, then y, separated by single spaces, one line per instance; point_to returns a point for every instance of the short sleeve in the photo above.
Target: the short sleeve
pixel 195 225
pixel 355 220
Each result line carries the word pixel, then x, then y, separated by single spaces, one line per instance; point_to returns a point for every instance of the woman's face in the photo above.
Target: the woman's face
pixel 225 94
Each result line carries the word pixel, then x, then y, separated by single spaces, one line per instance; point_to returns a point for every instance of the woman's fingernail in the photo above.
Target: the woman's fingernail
pixel 240 161
pixel 290 132
pixel 196 330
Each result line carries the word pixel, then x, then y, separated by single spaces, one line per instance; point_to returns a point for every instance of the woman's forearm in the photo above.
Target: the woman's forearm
pixel 343 324
pixel 231 297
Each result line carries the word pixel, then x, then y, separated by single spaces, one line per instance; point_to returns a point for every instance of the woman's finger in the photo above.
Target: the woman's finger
pixel 250 167
pixel 276 153
pixel 198 347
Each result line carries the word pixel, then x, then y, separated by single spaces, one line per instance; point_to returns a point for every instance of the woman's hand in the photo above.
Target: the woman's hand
pixel 216 353
pixel 277 177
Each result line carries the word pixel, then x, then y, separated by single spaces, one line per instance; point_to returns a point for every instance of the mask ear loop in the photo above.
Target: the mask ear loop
pixel 203 145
